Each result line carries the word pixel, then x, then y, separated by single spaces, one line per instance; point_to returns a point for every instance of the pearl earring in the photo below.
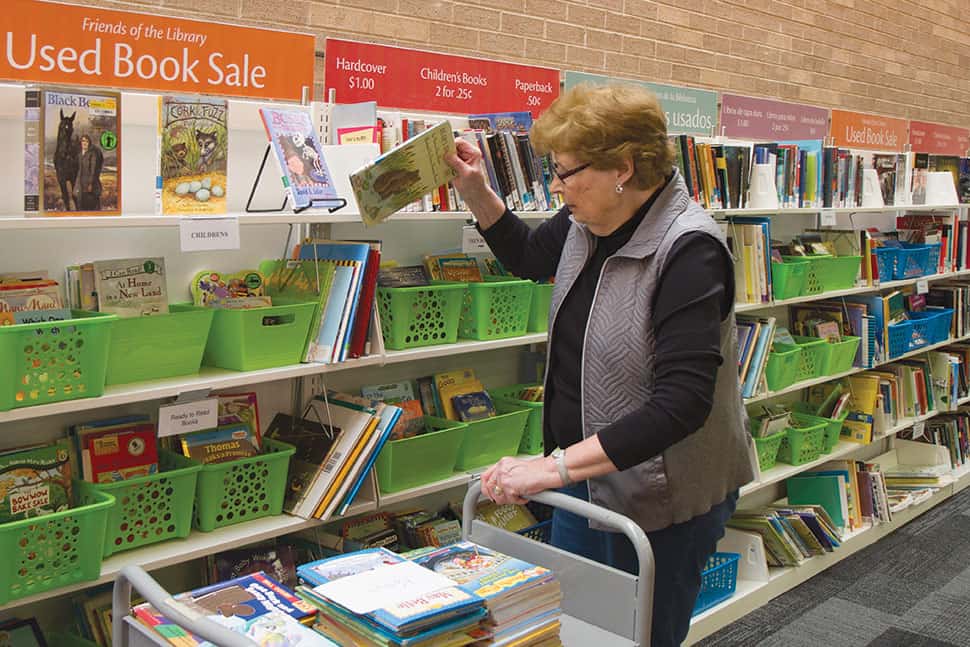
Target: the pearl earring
pixel 619 188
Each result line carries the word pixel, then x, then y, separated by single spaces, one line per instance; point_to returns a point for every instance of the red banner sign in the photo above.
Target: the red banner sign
pixel 925 137
pixel 47 42
pixel 395 77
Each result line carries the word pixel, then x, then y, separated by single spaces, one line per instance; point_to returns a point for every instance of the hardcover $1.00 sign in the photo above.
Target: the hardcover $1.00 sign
pixel 396 77
pixel 50 42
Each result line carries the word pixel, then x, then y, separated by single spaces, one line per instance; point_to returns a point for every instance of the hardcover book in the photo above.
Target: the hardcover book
pixel 404 174
pixel 315 444
pixel 119 454
pixel 131 287
pixel 80 135
pixel 305 174
pixel 193 145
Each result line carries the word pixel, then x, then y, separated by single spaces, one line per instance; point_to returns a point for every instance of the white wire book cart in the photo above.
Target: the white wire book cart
pixel 601 606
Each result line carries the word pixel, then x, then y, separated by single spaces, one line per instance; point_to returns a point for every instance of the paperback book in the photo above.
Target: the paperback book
pixel 404 174
pixel 304 170
pixel 131 287
pixel 193 148
pixel 35 481
pixel 79 151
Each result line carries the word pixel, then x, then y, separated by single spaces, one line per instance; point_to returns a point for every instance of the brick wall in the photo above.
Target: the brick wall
pixel 905 58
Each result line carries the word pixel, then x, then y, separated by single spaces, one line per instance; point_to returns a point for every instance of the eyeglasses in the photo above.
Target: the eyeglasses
pixel 562 175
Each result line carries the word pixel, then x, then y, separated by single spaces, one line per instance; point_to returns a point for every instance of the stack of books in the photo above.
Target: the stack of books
pixel 523 599
pixel 255 605
pixel 375 597
pixel 337 442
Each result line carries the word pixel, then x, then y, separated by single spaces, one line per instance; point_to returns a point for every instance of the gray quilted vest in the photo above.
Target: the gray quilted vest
pixel 617 373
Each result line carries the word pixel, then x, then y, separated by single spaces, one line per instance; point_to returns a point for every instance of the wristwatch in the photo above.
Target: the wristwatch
pixel 560 457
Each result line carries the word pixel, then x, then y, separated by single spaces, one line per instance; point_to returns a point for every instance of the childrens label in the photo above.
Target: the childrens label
pixel 828 218
pixel 922 286
pixel 191 416
pixel 919 429
pixel 207 234
pixel 472 242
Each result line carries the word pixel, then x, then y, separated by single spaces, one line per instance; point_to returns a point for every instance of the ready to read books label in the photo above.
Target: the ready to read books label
pixel 190 416
pixel 208 234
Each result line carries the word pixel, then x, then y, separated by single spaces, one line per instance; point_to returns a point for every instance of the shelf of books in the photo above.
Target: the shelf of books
pixel 212 378
pixel 752 594
pixel 834 294
pixel 312 217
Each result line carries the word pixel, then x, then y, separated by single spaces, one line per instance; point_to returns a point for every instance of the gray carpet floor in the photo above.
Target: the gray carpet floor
pixel 911 588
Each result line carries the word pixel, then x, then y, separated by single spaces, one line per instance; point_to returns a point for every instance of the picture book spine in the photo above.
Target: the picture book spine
pixel 33 151
pixel 361 324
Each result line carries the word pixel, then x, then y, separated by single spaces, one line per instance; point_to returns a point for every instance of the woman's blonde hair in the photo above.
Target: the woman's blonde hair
pixel 603 125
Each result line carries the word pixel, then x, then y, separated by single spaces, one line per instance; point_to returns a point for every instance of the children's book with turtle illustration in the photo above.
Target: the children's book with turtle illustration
pixel 193 149
pixel 404 174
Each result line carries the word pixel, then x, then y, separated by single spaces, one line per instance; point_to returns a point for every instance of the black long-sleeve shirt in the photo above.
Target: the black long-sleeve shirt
pixel 693 296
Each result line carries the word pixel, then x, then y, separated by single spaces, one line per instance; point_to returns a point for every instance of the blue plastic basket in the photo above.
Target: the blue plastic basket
pixel 914 260
pixel 922 329
pixel 542 530
pixel 885 262
pixel 718 581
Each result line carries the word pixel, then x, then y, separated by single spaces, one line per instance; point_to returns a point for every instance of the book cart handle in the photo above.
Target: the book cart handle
pixel 605 517
pixel 133 577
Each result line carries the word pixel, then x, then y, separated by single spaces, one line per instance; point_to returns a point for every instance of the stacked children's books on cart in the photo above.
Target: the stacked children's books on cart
pixel 254 605
pixel 375 597
pixel 522 599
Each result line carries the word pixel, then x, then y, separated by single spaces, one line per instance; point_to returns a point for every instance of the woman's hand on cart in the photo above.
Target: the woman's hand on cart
pixel 514 480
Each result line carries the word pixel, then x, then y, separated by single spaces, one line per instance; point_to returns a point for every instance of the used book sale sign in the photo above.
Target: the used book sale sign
pixel 395 77
pixel 49 42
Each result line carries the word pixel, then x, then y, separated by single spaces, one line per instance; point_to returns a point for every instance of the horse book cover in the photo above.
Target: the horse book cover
pixel 73 140
pixel 193 144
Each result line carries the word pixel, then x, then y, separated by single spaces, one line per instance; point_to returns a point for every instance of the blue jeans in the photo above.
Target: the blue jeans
pixel 680 552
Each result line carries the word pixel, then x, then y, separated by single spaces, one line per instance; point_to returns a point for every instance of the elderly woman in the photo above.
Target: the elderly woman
pixel 642 400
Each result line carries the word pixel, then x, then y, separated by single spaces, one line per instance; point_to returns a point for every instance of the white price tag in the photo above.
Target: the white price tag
pixel 188 416
pixel 472 242
pixel 922 286
pixel 208 234
pixel 919 429
pixel 828 218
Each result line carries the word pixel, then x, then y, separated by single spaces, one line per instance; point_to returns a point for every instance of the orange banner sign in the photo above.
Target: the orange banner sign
pixel 861 130
pixel 927 137
pixel 47 42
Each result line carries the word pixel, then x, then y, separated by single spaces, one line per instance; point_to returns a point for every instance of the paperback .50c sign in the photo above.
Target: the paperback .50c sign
pixel 48 42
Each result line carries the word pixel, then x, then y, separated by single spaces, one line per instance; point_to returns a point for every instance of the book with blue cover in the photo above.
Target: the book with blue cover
pixel 304 170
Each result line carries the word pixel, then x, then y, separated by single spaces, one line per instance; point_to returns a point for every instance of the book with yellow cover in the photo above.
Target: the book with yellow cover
pixel 404 174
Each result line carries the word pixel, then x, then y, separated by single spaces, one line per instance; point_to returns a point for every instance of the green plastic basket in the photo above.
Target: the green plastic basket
pixel 827 273
pixel 767 449
pixel 804 442
pixel 152 348
pixel 812 358
pixel 426 458
pixel 782 367
pixel 55 550
pixel 833 429
pixel 539 310
pixel 152 508
pixel 420 316
pixel 838 356
pixel 247 340
pixel 242 490
pixel 54 361
pixel 495 310
pixel 788 279
pixel 531 443
pixel 488 440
